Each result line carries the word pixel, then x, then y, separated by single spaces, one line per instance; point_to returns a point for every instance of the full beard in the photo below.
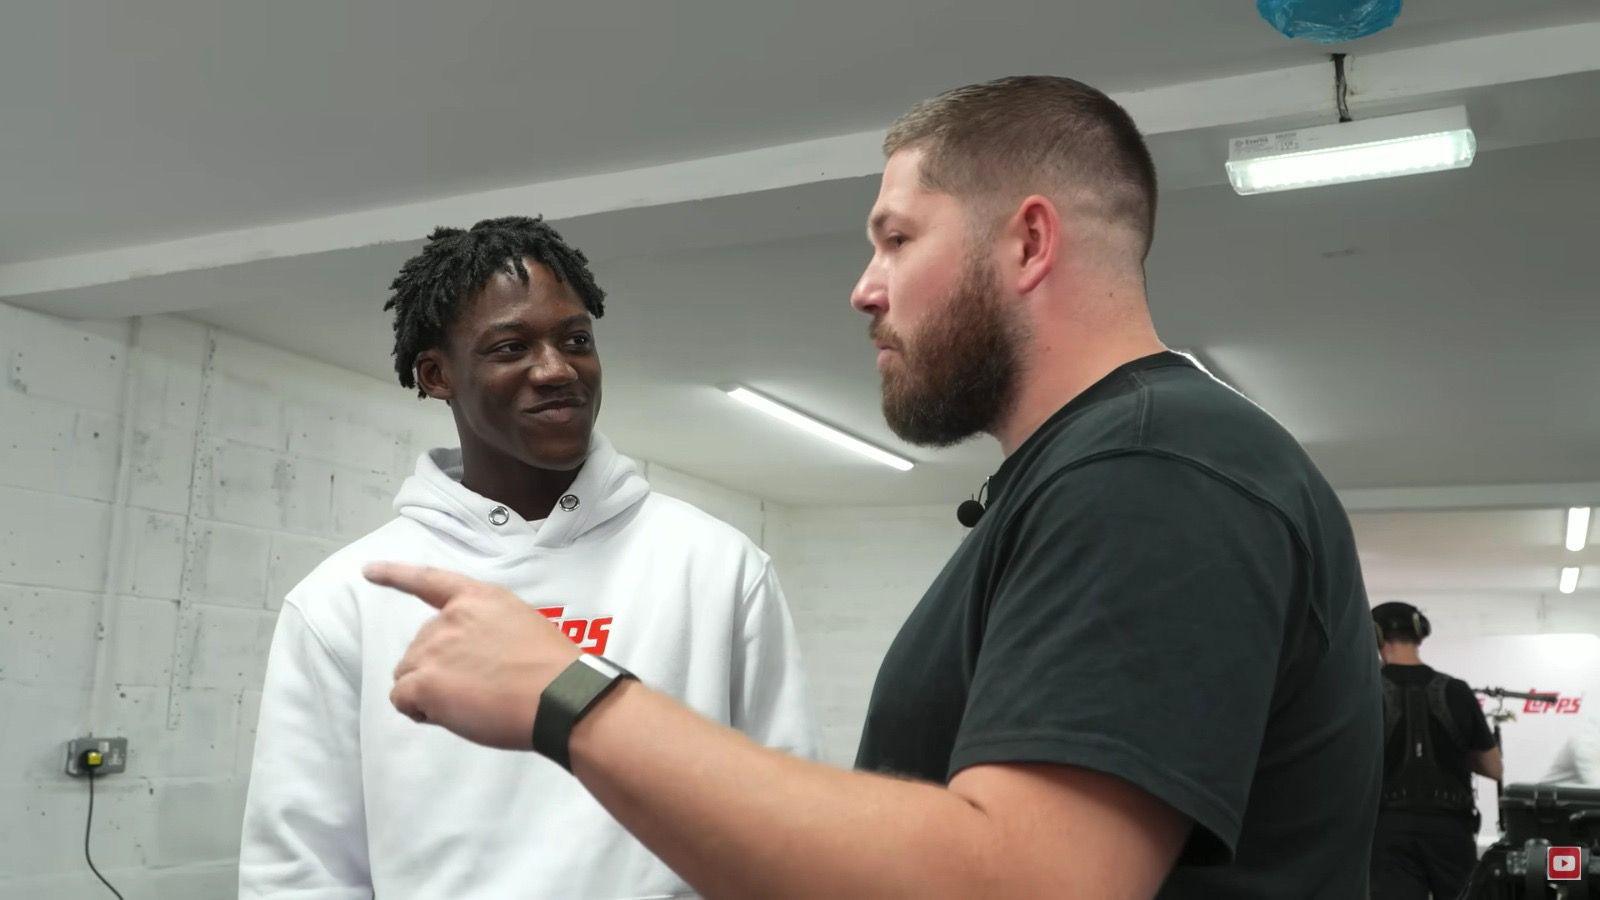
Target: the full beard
pixel 957 375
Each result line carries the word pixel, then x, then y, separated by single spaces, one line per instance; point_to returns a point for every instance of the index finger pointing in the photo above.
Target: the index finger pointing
pixel 435 587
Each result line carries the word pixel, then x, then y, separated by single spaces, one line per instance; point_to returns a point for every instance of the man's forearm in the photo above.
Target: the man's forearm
pixel 1487 763
pixel 736 819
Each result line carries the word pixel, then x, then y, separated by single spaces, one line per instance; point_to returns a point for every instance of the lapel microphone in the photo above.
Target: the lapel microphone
pixel 970 511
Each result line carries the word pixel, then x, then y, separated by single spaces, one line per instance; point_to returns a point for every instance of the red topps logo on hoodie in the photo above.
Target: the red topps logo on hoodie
pixel 590 635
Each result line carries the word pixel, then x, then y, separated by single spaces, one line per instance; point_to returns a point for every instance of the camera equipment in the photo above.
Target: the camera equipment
pixel 1521 866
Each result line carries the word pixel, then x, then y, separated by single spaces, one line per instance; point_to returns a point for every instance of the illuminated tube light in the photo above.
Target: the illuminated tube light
pixel 1577 527
pixel 812 427
pixel 1569 579
pixel 1409 144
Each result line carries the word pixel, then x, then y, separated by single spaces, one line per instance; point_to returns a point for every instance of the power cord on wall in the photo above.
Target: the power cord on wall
pixel 1341 88
pixel 91 762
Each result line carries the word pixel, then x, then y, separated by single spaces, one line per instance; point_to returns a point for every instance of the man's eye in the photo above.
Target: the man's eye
pixel 895 240
pixel 509 347
pixel 581 340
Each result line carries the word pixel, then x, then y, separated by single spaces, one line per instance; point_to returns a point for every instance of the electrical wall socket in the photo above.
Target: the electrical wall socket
pixel 113 750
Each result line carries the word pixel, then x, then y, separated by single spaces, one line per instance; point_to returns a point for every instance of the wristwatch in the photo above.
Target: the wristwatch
pixel 568 699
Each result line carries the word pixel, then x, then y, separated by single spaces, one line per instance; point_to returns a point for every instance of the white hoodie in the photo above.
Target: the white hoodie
pixel 349 798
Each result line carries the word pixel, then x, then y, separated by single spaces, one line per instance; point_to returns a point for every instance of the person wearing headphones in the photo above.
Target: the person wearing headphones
pixel 1435 736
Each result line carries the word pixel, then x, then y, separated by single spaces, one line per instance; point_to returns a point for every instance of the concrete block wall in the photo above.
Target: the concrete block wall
pixel 162 485
pixel 851 577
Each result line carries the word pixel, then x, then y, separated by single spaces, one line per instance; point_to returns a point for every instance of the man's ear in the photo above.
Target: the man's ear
pixel 1037 228
pixel 433 376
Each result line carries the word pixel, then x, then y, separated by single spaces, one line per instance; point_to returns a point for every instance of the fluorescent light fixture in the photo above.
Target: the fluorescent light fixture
pixel 1409 144
pixel 812 427
pixel 1569 579
pixel 1577 527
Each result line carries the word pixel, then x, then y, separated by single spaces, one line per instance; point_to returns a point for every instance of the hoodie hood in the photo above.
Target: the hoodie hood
pixel 608 485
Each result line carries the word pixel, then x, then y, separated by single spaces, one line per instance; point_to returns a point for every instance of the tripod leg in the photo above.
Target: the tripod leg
pixel 1499 786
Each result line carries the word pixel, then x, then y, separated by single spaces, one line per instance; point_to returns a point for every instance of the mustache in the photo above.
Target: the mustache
pixel 879 333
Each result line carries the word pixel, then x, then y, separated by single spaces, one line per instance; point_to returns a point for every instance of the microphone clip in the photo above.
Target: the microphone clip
pixel 970 511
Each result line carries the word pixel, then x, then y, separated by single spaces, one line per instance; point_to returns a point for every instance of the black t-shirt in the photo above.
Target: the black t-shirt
pixel 1163 588
pixel 1463 704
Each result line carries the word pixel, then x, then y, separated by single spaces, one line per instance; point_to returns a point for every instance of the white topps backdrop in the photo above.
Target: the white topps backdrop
pixel 1567 665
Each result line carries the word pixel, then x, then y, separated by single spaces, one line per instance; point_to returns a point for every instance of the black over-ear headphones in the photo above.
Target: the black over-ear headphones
pixel 1391 619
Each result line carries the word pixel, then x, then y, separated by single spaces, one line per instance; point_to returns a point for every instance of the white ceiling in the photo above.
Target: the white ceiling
pixel 1437 330
pixel 1480 571
pixel 1445 554
pixel 137 122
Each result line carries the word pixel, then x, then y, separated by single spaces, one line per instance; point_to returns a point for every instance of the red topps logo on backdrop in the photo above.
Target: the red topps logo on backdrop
pixel 1564 864
pixel 591 635
pixel 1564 706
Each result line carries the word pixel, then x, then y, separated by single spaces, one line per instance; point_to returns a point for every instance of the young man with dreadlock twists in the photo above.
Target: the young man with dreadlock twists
pixel 349 798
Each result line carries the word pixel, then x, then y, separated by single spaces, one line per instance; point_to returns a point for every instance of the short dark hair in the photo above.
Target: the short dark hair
pixel 1035 134
pixel 455 265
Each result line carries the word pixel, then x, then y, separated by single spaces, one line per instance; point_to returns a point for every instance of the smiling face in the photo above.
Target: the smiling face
pixel 521 372
pixel 948 349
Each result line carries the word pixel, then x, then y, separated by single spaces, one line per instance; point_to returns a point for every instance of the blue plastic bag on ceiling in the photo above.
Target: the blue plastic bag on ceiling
pixel 1329 21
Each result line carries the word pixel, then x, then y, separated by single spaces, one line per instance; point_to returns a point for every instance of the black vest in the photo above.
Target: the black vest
pixel 1421 784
